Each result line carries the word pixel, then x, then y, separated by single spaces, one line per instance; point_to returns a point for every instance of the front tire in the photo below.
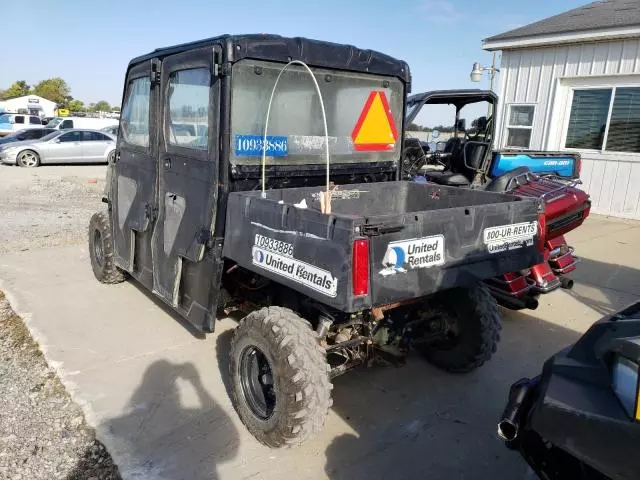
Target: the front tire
pixel 101 250
pixel 28 159
pixel 280 377
pixel 472 329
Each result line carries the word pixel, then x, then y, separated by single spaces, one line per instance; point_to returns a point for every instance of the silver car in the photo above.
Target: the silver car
pixel 64 146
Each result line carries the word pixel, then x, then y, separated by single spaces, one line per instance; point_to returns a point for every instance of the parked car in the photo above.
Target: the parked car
pixel 26 134
pixel 12 122
pixel 111 130
pixel 64 123
pixel 66 146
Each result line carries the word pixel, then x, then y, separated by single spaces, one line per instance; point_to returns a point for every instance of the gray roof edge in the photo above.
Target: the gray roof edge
pixel 594 16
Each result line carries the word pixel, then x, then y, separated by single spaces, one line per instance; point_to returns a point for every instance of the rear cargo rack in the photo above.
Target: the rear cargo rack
pixel 556 192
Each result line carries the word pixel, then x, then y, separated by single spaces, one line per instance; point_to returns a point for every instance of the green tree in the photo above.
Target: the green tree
pixel 76 105
pixel 54 89
pixel 115 109
pixel 102 106
pixel 17 89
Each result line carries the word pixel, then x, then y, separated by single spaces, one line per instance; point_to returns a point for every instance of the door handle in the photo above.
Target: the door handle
pixel 167 163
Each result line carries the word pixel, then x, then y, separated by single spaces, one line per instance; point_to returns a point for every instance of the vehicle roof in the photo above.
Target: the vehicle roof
pixel 283 49
pixel 459 98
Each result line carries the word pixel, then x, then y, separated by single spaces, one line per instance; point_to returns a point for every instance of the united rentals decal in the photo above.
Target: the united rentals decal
pixel 409 254
pixel 277 257
pixel 509 237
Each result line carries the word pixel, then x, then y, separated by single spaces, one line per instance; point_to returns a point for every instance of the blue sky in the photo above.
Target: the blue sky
pixel 89 43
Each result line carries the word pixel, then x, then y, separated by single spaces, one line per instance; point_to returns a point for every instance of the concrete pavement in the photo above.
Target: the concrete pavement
pixel 157 394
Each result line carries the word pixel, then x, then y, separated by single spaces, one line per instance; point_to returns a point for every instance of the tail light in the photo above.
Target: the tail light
pixel 360 267
pixel 542 230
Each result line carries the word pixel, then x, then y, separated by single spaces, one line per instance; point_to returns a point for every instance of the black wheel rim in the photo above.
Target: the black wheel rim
pixel 98 249
pixel 256 377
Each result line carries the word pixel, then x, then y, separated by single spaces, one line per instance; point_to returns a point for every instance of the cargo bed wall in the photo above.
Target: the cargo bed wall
pixel 423 238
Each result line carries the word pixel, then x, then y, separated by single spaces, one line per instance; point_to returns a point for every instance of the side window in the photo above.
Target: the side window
pixel 71 137
pixel 19 119
pixel 520 125
pixel 188 106
pixel 66 124
pixel 135 114
pixel 588 118
pixel 35 121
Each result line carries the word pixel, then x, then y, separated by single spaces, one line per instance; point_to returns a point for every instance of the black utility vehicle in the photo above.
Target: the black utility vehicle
pixel 580 419
pixel 262 174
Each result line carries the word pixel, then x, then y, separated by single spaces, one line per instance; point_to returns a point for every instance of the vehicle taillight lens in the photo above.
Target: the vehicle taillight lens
pixel 542 230
pixel 361 267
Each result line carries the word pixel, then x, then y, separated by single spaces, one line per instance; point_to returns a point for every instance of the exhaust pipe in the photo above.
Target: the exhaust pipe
pixel 509 424
pixel 515 303
pixel 566 283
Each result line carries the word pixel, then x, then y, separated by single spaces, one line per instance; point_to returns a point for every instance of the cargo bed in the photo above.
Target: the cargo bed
pixel 421 239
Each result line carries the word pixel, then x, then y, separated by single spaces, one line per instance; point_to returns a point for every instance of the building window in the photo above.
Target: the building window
pixel 605 119
pixel 520 126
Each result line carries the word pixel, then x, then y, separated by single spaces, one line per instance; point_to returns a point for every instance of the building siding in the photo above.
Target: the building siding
pixel 536 75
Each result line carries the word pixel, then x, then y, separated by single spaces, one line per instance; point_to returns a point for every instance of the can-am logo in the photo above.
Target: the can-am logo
pixel 409 254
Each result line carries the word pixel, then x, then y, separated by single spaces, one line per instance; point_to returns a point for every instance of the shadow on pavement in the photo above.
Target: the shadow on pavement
pixel 173 428
pixel 442 426
pixel 614 282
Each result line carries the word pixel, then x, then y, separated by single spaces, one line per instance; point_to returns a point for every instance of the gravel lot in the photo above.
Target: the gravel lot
pixel 43 434
pixel 47 206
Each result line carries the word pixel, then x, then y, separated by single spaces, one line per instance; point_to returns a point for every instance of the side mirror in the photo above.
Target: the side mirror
pixel 462 125
pixel 56 140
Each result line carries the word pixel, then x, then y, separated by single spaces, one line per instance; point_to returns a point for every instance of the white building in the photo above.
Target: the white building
pixel 31 104
pixel 572 83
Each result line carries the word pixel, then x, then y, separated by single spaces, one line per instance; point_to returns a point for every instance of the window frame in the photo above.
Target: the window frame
pixel 121 137
pixel 565 128
pixel 184 149
pixel 508 125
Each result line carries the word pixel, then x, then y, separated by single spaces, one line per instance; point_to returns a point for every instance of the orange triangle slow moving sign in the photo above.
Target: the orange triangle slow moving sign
pixel 375 130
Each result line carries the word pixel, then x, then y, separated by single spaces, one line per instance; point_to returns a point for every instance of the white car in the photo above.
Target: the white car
pixel 63 123
pixel 12 122
pixel 64 146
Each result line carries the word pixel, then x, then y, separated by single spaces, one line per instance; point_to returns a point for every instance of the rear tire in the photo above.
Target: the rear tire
pixel 279 377
pixel 28 159
pixel 472 314
pixel 101 250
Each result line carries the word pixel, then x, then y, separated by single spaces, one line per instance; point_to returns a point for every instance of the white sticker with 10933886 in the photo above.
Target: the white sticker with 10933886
pixel 416 253
pixel 509 237
pixel 277 257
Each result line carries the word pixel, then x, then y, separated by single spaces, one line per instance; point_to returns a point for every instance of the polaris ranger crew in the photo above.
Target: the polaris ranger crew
pixel 262 174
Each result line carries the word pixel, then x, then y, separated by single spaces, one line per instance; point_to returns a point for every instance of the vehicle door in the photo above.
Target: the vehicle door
pixel 188 173
pixel 132 176
pixel 64 148
pixel 94 146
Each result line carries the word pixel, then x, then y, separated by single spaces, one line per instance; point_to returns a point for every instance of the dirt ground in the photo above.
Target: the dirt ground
pixel 47 206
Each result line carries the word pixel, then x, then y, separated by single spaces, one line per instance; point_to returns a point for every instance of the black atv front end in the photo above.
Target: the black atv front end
pixel 580 419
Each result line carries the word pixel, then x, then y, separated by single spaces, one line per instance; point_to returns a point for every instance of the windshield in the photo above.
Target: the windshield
pixel 54 122
pixel 364 115
pixel 6 119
